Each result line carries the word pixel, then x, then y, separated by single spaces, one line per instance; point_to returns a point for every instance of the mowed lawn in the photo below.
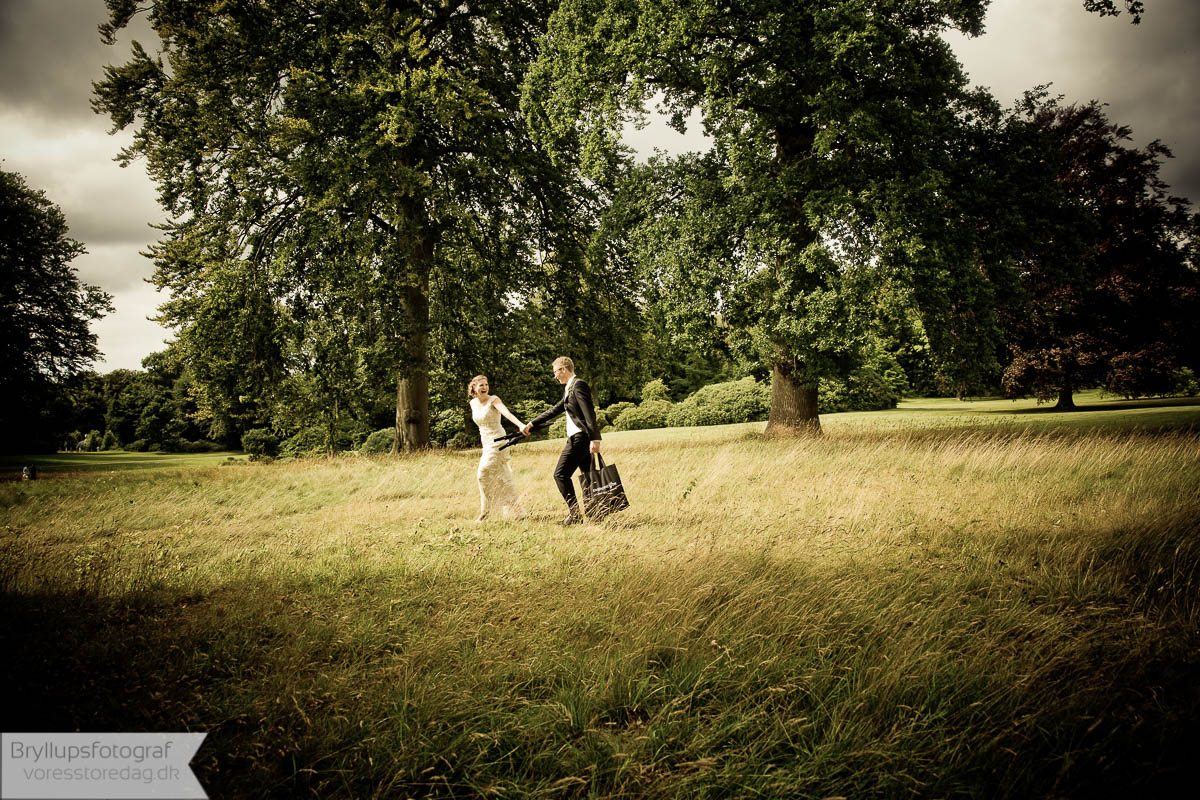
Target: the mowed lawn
pixel 72 464
pixel 946 600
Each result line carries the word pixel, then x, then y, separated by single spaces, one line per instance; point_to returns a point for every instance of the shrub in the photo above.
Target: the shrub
pixel 1186 384
pixel 197 446
pixel 1146 373
pixel 526 410
pixel 91 443
pixel 137 446
pixel 558 428
pixel 723 404
pixel 110 441
pixel 615 411
pixel 305 442
pixel 324 438
pixel 649 414
pixel 260 443
pixel 462 441
pixel 878 384
pixel 449 423
pixel 381 441
pixel 171 444
pixel 656 390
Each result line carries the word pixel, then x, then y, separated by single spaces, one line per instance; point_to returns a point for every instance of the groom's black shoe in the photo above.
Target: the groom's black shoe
pixel 572 519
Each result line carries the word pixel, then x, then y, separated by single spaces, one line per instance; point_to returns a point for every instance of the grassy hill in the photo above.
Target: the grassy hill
pixel 979 600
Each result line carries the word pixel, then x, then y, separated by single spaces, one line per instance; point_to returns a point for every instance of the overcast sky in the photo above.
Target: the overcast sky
pixel 50 53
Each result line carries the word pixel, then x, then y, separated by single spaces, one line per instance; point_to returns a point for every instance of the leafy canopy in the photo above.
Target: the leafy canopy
pixel 830 123
pixel 330 168
pixel 45 313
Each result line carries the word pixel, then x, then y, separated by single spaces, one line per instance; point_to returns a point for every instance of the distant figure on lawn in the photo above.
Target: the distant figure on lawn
pixel 583 434
pixel 497 489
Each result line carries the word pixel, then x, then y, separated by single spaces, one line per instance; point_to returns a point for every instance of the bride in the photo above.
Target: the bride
pixel 497 489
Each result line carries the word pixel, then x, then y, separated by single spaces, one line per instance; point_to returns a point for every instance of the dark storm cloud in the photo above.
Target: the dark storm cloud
pixel 1144 73
pixel 103 203
pixel 1152 88
pixel 50 53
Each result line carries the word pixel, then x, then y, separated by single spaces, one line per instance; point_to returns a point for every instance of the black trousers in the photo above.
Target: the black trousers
pixel 575 456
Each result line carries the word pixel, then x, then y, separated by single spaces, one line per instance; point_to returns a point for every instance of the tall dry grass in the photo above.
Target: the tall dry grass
pixel 889 610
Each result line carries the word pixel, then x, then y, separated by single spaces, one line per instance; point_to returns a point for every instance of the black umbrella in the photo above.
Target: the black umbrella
pixel 516 437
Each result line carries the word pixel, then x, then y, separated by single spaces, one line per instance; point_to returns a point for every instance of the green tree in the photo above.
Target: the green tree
pixel 155 407
pixel 142 412
pixel 1122 310
pixel 80 404
pixel 329 167
pixel 45 312
pixel 842 133
pixel 676 253
pixel 819 112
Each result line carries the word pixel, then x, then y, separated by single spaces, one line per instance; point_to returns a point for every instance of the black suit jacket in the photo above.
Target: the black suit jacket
pixel 577 403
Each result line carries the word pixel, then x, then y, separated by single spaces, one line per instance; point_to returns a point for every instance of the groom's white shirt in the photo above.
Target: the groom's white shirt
pixel 572 428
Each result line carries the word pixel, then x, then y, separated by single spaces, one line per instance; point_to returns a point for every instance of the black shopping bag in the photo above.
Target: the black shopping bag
pixel 602 491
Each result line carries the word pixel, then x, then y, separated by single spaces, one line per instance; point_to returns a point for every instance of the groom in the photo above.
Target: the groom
pixel 583 434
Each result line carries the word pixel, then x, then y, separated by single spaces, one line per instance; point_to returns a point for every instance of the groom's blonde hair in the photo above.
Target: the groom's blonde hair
pixel 563 361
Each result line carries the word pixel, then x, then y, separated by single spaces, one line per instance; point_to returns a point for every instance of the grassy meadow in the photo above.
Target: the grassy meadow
pixel 985 600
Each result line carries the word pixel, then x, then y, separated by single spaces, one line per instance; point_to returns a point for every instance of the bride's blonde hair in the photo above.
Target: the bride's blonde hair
pixel 471 387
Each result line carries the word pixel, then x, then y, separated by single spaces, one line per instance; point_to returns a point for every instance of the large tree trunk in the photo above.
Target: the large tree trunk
pixel 412 411
pixel 793 401
pixel 1066 402
pixel 793 404
pixel 412 384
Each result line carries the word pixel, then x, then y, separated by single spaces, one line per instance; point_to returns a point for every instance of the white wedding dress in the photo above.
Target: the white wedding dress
pixel 497 489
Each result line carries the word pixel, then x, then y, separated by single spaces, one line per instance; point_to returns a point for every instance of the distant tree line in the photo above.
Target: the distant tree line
pixel 44 315
pixel 372 203
pixel 152 409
